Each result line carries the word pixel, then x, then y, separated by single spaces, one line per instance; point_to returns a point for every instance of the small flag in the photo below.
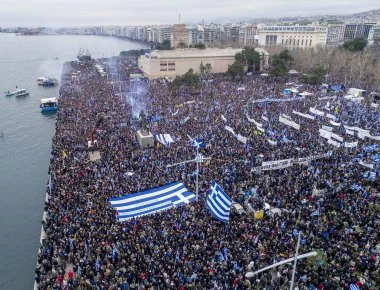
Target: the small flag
pixel 114 252
pixel 97 264
pixel 356 187
pixel 196 142
pixel 314 213
pixel 354 287
pixel 223 118
pixel 219 203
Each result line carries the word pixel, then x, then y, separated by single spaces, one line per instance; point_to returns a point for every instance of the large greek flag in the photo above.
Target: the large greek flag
pixel 219 203
pixel 165 139
pixel 151 201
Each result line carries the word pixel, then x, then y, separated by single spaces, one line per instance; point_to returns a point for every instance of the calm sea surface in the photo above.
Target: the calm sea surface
pixel 25 149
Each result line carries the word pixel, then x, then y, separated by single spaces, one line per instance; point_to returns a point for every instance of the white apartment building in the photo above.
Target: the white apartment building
pixel 293 36
pixel 374 33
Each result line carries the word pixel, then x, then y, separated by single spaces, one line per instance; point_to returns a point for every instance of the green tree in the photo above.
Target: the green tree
pixel 191 79
pixel 236 70
pixel 165 45
pixel 280 63
pixel 357 44
pixel 316 75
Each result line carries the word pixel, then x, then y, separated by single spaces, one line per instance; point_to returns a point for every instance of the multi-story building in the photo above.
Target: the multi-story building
pixel 357 30
pixel 179 36
pixel 374 34
pixel 293 36
pixel 196 35
pixel 164 33
pixel 247 35
pixel 335 34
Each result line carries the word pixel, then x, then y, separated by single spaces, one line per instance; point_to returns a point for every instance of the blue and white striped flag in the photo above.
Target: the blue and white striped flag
pixel 151 201
pixel 356 187
pixel 165 139
pixel 314 213
pixel 354 287
pixel 114 252
pixel 196 142
pixel 97 264
pixel 370 148
pixel 219 203
pixel 372 176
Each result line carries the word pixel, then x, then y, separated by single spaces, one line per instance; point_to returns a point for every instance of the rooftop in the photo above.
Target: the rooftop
pixel 194 52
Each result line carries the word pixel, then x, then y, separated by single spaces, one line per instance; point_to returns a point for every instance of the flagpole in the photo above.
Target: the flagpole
pixel 295 261
pixel 197 188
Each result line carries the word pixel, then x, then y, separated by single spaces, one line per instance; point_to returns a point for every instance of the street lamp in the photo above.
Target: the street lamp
pixel 295 259
pixel 197 159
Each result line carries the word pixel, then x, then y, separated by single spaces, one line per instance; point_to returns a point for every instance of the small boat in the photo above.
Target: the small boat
pixel 50 82
pixel 21 93
pixel 9 93
pixel 40 80
pixel 49 105
pixel 84 55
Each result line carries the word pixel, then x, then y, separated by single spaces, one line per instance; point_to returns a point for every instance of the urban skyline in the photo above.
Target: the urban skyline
pixel 71 13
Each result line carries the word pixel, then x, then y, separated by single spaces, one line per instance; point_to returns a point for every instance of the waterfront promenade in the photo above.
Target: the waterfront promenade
pixel 185 247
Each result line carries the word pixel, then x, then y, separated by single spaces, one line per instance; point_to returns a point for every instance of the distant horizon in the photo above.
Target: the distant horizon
pixel 86 13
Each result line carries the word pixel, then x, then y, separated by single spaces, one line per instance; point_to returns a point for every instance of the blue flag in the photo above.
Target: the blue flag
pixel 219 203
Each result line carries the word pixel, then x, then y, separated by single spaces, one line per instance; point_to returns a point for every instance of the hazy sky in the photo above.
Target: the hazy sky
pixel 57 13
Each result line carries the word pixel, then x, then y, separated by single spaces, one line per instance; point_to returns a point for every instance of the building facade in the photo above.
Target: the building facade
pixel 179 36
pixel 293 36
pixel 172 63
pixel 335 34
pixel 374 34
pixel 357 30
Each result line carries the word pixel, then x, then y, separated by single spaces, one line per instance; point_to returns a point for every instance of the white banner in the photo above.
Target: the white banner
pixel 241 138
pixel 373 105
pixel 349 132
pixel 267 100
pixel 261 129
pixel 224 118
pixel 272 142
pixel 325 134
pixel 327 128
pixel 304 115
pixel 264 118
pixel 289 123
pixel 229 129
pixel 286 116
pixel 337 137
pixel 316 112
pixel 334 123
pixel 334 143
pixel 272 165
pixel 351 145
pixel 280 164
pixel 368 165
pixel 331 116
pixel 254 122
pixel 327 98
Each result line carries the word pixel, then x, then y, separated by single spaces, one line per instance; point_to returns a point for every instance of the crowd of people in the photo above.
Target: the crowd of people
pixel 328 200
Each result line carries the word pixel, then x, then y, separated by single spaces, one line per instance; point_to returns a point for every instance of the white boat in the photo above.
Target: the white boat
pixel 41 80
pixel 49 105
pixel 21 93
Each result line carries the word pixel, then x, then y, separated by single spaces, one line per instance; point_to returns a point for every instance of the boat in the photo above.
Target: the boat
pixel 40 80
pixel 9 93
pixel 21 93
pixel 49 105
pixel 84 55
pixel 50 82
